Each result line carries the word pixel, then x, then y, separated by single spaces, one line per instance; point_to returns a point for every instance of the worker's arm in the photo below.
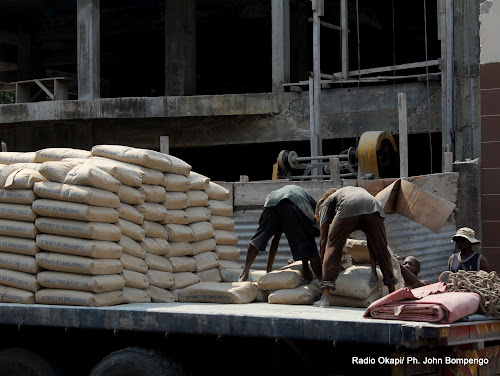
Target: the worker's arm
pixel 323 236
pixel 410 279
pixel 272 251
pixel 484 265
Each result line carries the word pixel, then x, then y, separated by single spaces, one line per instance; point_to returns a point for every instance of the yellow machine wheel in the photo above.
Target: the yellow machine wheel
pixel 378 155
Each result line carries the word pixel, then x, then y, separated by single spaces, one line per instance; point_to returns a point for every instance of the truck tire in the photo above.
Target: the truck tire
pixel 23 362
pixel 137 361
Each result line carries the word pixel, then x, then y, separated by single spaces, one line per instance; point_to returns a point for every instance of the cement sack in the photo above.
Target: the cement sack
pixel 20 263
pixel 79 298
pixel 176 183
pixel 143 157
pixel 210 275
pixel 128 212
pixel 153 193
pixel 354 282
pixel 125 173
pixel 227 252
pixel 133 263
pixel 157 262
pixel 92 176
pixel 131 230
pixel 76 193
pixel 217 192
pixel 71 281
pixel 79 247
pixel 17 196
pixel 18 229
pixel 19 246
pixel 202 230
pixel 358 249
pixel 56 171
pixel 212 292
pixel 176 216
pixel 147 175
pixel 17 212
pixel 5 172
pixel 222 223
pixel 23 179
pixel 197 198
pixel 232 275
pixel 226 237
pixel 57 154
pixel 155 230
pixel 183 264
pixel 71 210
pixel 76 264
pixel 221 208
pixel 131 295
pixel 228 264
pixel 131 195
pixel 131 247
pixel 345 301
pixel 159 295
pixel 180 249
pixel 280 279
pixel 302 295
pixel 262 295
pixel 152 211
pixel 198 214
pixel 135 279
pixel 201 246
pixel 13 295
pixel 205 261
pixel 78 229
pixel 157 246
pixel 9 157
pixel 160 279
pixel 176 200
pixel 179 233
pixel 19 280
pixel 198 181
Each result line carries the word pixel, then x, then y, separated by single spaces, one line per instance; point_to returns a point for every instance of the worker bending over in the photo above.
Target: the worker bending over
pixel 467 259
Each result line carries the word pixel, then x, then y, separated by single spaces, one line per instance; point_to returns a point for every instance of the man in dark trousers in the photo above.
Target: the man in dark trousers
pixel 467 259
pixel 340 213
pixel 289 209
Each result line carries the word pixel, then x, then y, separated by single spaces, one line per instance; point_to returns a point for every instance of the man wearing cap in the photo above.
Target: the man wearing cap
pixel 289 209
pixel 467 259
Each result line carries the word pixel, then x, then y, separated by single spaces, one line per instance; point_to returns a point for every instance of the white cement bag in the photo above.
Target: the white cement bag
pixel 153 193
pixel 152 211
pixel 56 171
pixel 222 223
pixel 135 279
pixel 79 247
pixel 130 195
pixel 303 295
pixel 127 174
pixel 131 247
pixel 131 230
pixel 227 252
pixel 280 279
pixel 71 210
pixel 132 295
pixel 160 279
pixel 198 181
pixel 210 275
pixel 71 281
pixel 213 292
pixel 176 183
pixel 157 246
pixel 78 194
pixel 23 179
pixel 13 295
pixel 20 246
pixel 133 263
pixel 5 171
pixel 20 263
pixel 354 282
pixel 57 154
pixel 9 157
pixel 197 214
pixel 176 200
pixel 78 229
pixel 202 231
pixel 17 196
pixel 78 298
pixel 18 229
pixel 128 212
pixel 179 233
pixel 183 264
pixel 217 192
pixel 180 249
pixel 228 264
pixel 155 230
pixel 225 237
pixel 197 198
pixel 20 280
pixel 159 295
pixel 345 301
pixel 76 264
pixel 206 245
pixel 176 216
pixel 358 249
pixel 221 208
pixel 232 275
pixel 17 212
pixel 157 262
pixel 92 176
pixel 205 261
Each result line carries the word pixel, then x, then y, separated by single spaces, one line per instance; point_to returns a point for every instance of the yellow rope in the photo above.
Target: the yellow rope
pixel 487 285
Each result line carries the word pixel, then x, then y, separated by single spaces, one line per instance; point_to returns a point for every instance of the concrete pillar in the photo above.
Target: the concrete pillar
pixel 280 39
pixel 89 49
pixel 180 47
pixel 24 58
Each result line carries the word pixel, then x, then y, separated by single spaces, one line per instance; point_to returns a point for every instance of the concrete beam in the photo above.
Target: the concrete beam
pixel 88 46
pixel 280 39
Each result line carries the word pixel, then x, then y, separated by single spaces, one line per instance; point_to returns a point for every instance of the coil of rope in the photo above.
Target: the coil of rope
pixel 487 285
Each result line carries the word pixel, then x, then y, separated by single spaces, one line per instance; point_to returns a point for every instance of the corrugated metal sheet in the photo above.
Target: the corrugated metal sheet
pixel 404 236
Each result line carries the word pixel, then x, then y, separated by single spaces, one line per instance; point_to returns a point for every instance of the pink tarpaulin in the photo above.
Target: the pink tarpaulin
pixel 428 303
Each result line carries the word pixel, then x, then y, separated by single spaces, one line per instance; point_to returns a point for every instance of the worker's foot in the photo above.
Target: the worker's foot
pixel 323 302
pixel 306 273
pixel 243 276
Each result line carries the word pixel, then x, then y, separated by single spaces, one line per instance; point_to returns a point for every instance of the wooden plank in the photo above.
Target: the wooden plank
pixel 44 88
pixel 326 24
pixel 389 68
pixel 345 38
pixel 403 135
